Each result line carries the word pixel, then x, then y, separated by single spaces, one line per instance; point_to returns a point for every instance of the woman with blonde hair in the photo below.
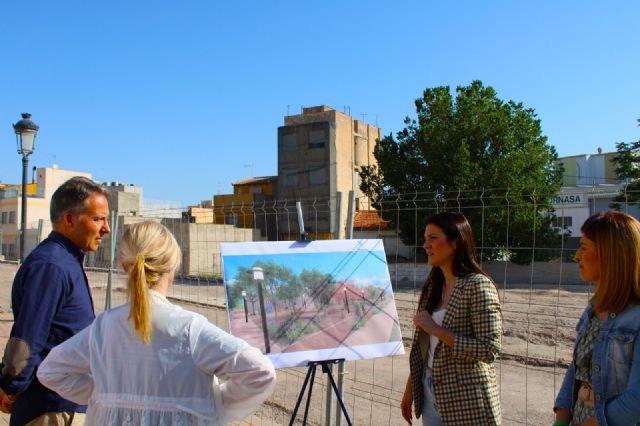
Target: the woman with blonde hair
pixel 602 384
pixel 151 362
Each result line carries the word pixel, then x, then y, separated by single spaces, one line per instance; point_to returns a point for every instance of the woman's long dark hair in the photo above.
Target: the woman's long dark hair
pixel 456 228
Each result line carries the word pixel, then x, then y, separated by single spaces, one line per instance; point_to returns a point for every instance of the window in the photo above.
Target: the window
pixel 255 190
pixel 316 139
pixel 231 219
pixel 290 177
pixel 12 251
pixel 562 221
pixel 317 175
pixel 4 218
pixel 289 141
pixel 12 217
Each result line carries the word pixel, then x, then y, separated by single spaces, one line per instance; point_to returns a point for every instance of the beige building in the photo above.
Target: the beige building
pixel 200 244
pixel 320 153
pixel 38 226
pixel 124 198
pixel 589 169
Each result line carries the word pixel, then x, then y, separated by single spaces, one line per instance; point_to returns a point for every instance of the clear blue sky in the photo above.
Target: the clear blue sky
pixel 354 265
pixel 178 96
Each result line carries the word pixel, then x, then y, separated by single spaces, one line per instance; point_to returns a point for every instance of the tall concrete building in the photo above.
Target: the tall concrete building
pixel 320 153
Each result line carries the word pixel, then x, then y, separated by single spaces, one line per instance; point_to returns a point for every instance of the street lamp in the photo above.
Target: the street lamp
pixel 258 276
pixel 26 131
pixel 346 301
pixel 246 309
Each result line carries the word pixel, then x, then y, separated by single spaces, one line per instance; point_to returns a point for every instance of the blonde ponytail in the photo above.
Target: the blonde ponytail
pixel 139 299
pixel 148 252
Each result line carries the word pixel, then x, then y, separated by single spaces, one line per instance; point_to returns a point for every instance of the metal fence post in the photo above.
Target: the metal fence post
pixel 39 234
pixel 112 252
pixel 349 235
pixel 339 230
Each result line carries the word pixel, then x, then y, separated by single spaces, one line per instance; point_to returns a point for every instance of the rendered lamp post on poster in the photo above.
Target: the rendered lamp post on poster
pixel 246 308
pixel 346 300
pixel 258 277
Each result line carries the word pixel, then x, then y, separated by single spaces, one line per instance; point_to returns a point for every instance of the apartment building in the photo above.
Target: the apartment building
pixel 320 153
pixel 44 183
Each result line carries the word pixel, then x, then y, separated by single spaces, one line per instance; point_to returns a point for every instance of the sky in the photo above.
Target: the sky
pixel 365 267
pixel 183 98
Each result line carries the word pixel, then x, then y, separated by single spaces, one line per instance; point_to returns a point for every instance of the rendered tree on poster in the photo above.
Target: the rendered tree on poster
pixel 243 281
pixel 319 285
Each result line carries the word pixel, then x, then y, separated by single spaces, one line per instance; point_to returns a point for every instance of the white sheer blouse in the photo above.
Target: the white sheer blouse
pixel 192 372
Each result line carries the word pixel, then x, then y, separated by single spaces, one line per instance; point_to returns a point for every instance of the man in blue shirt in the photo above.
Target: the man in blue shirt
pixel 51 302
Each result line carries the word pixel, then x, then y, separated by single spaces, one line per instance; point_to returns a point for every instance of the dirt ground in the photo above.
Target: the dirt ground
pixel 539 327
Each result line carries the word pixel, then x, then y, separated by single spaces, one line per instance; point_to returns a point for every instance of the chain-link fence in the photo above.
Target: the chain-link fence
pixel 539 284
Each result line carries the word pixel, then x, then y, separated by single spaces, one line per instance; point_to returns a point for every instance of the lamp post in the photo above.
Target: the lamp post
pixel 258 276
pixel 346 301
pixel 246 309
pixel 26 131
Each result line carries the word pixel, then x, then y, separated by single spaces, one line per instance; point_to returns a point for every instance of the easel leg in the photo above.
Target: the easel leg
pixel 309 379
pixel 306 409
pixel 325 369
pixel 310 373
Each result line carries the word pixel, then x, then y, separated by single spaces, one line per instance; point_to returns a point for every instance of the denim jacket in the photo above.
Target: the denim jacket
pixel 615 369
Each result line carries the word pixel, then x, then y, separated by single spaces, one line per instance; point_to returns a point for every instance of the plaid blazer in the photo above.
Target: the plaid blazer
pixel 464 377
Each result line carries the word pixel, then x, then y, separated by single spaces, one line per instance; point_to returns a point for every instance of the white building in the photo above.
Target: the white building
pixel 589 186
pixel 38 226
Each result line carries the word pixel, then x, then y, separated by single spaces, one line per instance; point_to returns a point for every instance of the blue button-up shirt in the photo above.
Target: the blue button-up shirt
pixel 615 369
pixel 51 302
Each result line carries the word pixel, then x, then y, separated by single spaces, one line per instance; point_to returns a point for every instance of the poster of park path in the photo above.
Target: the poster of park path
pixel 311 301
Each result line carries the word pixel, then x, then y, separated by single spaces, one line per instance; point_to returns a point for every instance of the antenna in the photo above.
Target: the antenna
pixel 249 166
pixel 363 114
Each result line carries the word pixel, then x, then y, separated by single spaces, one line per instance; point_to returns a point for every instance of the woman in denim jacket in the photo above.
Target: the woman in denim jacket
pixel 602 384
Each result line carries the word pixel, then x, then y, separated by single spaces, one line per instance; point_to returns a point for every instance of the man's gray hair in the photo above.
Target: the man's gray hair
pixel 71 196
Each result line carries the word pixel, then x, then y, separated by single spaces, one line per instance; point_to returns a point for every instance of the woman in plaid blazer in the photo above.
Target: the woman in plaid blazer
pixel 452 378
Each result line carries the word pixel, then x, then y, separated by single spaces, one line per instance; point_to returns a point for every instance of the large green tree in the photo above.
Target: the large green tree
pixel 628 169
pixel 475 153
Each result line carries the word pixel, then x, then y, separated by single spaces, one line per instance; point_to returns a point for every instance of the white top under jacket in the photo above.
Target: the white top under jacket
pixel 437 317
pixel 191 373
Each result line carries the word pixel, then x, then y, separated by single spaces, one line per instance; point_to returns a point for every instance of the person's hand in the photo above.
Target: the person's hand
pixel 563 415
pixel 424 321
pixel 407 402
pixel 6 402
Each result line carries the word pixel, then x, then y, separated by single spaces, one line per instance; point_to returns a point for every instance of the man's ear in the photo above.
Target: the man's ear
pixel 68 219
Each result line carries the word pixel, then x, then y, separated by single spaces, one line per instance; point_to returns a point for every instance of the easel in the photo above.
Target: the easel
pixel 313 365
pixel 309 379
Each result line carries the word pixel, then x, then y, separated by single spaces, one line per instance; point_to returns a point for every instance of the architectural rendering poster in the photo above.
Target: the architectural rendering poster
pixel 311 301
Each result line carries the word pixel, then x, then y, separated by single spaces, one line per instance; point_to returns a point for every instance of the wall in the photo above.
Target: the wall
pixel 200 244
pixel 412 275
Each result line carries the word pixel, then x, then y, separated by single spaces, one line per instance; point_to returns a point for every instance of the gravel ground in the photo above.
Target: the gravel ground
pixel 539 331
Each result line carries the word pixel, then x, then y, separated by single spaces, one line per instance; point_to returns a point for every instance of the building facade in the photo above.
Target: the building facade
pixel 589 185
pixel 38 225
pixel 320 153
pixel 242 207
